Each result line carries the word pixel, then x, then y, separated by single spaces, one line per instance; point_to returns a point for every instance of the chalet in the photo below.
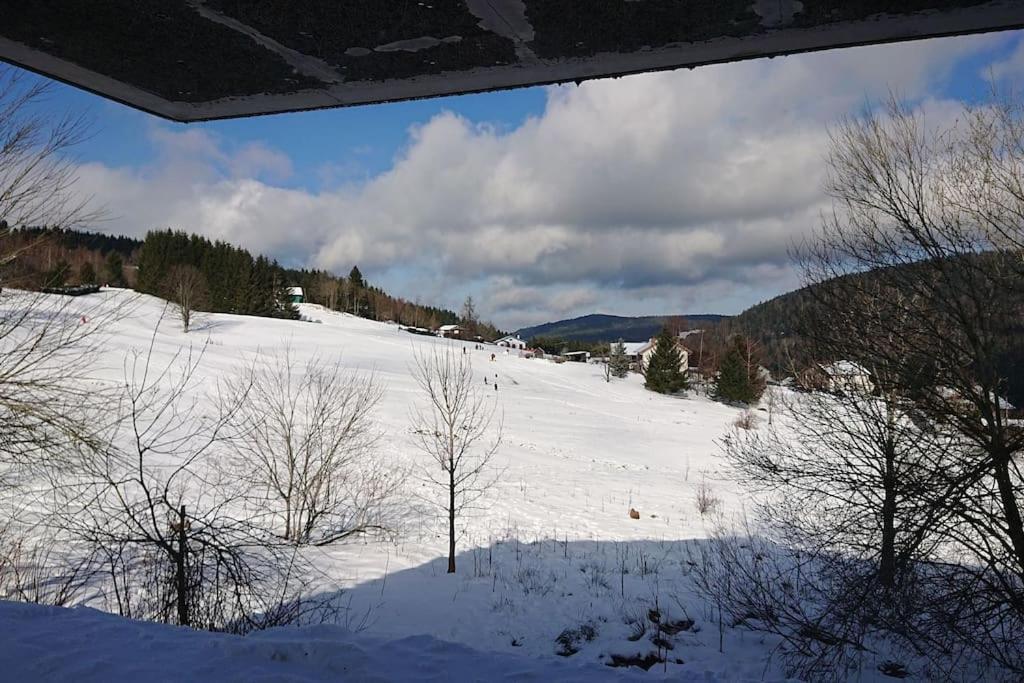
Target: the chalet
pixel 449 331
pixel 639 354
pixel 295 295
pixel 847 377
pixel 512 342
pixel 577 356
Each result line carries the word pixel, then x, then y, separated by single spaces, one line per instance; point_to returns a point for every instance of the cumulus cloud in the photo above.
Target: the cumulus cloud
pixel 653 193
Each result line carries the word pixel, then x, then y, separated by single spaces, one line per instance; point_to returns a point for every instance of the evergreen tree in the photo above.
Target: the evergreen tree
pixel 114 267
pixel 58 275
pixel 663 373
pixel 739 375
pixel 87 274
pixel 618 361
pixel 357 295
pixel 355 278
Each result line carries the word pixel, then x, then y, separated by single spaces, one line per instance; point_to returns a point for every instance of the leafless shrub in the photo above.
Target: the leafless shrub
pixel 48 345
pixel 305 443
pixel 705 499
pixel 33 569
pixel 747 420
pixel 754 584
pixel 168 527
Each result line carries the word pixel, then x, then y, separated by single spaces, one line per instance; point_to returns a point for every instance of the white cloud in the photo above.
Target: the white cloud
pixel 656 192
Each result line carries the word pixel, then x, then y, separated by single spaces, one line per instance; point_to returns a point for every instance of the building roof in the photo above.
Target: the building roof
pixel 636 348
pixel 192 60
pixel 448 328
pixel 295 291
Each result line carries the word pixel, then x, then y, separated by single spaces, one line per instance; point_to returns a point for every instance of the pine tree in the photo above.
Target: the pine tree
pixel 58 275
pixel 739 376
pixel 663 371
pixel 618 361
pixel 114 268
pixel 357 285
pixel 87 274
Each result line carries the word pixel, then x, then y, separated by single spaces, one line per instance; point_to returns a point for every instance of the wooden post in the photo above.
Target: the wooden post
pixel 182 584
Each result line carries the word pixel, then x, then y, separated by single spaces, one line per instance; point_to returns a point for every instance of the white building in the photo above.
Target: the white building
pixel 847 376
pixel 512 342
pixel 639 353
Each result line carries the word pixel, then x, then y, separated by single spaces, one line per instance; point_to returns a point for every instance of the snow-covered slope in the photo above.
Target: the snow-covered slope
pixel 552 549
pixel 83 645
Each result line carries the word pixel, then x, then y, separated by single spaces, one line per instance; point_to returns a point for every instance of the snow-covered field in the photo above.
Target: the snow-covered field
pixel 552 549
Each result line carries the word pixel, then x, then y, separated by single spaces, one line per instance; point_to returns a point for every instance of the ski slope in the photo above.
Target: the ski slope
pixel 551 548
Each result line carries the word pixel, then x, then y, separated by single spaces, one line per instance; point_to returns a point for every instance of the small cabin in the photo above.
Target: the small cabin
pixel 449 331
pixel 295 295
pixel 577 356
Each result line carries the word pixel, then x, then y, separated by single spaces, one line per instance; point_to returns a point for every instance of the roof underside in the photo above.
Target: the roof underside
pixel 192 60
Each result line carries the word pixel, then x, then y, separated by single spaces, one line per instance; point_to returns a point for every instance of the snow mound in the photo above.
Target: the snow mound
pixel 82 644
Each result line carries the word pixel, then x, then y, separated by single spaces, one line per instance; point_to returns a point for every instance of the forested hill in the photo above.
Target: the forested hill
pixel 234 280
pixel 609 328
pixel 776 326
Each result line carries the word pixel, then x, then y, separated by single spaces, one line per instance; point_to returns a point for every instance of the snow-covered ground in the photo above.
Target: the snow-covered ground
pixel 553 548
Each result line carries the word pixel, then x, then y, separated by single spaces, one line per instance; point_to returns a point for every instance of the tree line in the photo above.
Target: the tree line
pixel 223 278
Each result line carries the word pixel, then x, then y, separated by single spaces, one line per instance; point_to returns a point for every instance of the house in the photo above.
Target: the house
pixel 295 295
pixel 577 356
pixel 1007 411
pixel 449 331
pixel 639 354
pixel 847 376
pixel 512 342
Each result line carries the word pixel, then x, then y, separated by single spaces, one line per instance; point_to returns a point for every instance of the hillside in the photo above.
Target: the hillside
pixel 550 555
pixel 606 328
pixel 538 554
pixel 776 326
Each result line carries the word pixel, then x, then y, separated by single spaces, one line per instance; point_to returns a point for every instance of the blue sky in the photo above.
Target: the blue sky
pixel 660 193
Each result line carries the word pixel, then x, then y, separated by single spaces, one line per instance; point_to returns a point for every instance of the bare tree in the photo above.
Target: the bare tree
pixel 37 173
pixel 46 343
pixel 454 429
pixel 848 474
pixel 329 291
pixel 918 278
pixel 936 216
pixel 306 445
pixel 186 287
pixel 469 317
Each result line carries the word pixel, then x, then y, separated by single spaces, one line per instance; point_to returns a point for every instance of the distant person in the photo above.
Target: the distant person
pixel 492 357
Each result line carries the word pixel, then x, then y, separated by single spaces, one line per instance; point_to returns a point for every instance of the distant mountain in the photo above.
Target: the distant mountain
pixel 606 328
